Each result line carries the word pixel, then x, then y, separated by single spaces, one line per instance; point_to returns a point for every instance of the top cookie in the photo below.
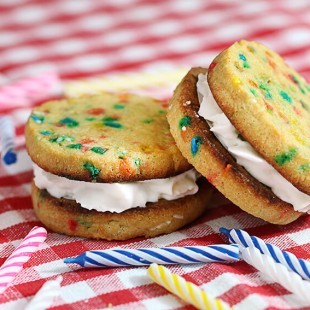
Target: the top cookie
pixel 269 104
pixel 104 138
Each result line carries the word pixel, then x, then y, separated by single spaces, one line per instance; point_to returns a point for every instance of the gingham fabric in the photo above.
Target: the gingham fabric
pixel 141 46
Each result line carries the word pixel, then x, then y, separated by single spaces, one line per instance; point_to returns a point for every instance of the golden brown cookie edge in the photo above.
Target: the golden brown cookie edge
pixel 215 163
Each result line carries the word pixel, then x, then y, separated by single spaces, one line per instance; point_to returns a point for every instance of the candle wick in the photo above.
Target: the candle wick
pixel 10 157
pixel 70 260
pixel 224 230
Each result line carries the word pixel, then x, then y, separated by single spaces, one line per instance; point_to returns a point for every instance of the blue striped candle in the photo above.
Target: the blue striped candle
pixel 165 256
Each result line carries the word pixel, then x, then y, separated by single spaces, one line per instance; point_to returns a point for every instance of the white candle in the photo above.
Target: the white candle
pixel 45 296
pixel 277 272
pixel 287 259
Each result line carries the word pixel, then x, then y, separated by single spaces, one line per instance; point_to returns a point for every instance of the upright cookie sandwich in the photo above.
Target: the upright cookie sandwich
pixel 244 124
pixel 106 166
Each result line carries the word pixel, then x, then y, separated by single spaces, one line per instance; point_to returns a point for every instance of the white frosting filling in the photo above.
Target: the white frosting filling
pixel 244 153
pixel 117 197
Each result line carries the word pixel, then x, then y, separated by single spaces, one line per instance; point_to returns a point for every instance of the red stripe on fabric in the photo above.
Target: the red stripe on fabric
pixel 143 30
pixel 20 130
pixel 126 65
pixel 111 299
pixel 75 248
pixel 157 44
pixel 16 203
pixel 91 273
pixel 27 290
pixel 242 291
pixel 270 231
pixel 259 33
pixel 301 251
pixel 17 232
pixel 13 180
pixel 213 270
pixel 58 14
pixel 210 239
pixel 140 28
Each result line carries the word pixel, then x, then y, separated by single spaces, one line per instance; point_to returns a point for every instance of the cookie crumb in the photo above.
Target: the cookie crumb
pixel 160 226
pixel 178 216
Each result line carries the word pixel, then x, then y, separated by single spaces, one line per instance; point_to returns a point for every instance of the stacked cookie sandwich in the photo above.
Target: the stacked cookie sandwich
pixel 244 124
pixel 107 167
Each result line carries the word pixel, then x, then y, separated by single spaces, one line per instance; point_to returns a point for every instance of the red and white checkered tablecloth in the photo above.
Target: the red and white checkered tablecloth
pixel 149 45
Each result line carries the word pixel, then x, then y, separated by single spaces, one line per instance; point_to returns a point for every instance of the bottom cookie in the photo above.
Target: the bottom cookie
pixel 67 217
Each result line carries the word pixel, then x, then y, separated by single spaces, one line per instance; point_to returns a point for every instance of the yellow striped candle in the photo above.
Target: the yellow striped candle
pixel 187 291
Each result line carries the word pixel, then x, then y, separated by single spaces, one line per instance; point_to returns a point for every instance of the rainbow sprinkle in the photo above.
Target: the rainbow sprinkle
pixel 195 144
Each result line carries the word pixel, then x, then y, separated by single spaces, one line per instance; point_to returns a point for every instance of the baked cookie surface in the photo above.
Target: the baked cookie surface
pixel 204 151
pixel 67 217
pixel 104 138
pixel 269 104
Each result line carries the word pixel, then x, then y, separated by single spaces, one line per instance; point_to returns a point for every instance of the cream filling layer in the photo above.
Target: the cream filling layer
pixel 244 153
pixel 117 197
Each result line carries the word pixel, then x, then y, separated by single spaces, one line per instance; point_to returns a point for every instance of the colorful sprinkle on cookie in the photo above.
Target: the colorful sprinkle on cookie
pixel 195 144
pixel 284 158
pixel 111 122
pixel 286 96
pixel 95 111
pixel 95 133
pixel 119 106
pixel 69 121
pixel 37 118
pixel 94 171
pixel 184 122
pixel 270 106
pixel 72 224
pixel 245 62
pixel 46 132
pixel 98 150
pixel 76 146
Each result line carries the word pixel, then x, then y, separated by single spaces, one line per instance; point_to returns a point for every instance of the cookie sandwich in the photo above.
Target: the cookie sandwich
pixel 244 124
pixel 106 166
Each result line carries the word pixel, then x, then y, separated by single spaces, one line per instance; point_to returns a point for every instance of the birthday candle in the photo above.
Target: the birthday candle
pixel 43 299
pixel 14 263
pixel 187 291
pixel 168 255
pixel 277 272
pixel 7 135
pixel 289 260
